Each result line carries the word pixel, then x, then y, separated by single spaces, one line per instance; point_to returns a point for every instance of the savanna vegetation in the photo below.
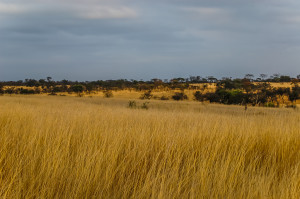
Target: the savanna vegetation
pixel 180 138
pixel 70 147
pixel 275 91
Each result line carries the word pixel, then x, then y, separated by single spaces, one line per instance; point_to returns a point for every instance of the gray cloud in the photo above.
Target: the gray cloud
pixel 104 39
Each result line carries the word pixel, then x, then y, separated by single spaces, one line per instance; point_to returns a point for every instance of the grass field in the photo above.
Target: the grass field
pixel 71 147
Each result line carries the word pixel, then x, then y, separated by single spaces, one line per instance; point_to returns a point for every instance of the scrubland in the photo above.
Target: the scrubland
pixel 71 147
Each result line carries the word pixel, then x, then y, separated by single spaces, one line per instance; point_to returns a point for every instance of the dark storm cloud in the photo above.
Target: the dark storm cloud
pixel 104 39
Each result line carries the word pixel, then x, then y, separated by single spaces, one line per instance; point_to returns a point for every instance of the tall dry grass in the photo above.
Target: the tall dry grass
pixel 67 147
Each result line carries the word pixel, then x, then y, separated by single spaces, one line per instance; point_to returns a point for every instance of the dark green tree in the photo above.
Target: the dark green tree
pixel 179 96
pixel 78 88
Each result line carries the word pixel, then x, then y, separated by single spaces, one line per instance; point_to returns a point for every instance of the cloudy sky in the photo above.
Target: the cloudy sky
pixel 144 39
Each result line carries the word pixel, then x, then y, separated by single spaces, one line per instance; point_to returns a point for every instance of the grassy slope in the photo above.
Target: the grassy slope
pixel 68 147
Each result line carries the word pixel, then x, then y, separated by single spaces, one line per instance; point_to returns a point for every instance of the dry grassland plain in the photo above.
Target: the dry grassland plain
pixel 71 147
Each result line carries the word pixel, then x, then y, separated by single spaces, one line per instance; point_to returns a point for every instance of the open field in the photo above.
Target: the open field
pixel 71 147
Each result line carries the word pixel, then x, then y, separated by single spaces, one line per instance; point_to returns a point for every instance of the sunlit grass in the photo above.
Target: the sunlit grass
pixel 71 147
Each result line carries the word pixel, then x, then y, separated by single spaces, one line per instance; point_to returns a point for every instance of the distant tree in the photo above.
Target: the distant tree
pixel 212 79
pixel 42 82
pixel 65 82
pixel 178 80
pixel 157 82
pixel 1 89
pixel 276 77
pixel 230 96
pixel 193 79
pixel 249 76
pixel 50 83
pixel 56 89
pixel 247 86
pixel 271 95
pixel 285 78
pixel 32 83
pixel 294 95
pixel 263 86
pixel 143 86
pixel 230 84
pixel 90 87
pixel 226 84
pixel 181 80
pixel 260 98
pixel 10 90
pixel 199 96
pixel 212 97
pixel 26 91
pixel 282 92
pixel 179 96
pixel 78 88
pixel 263 76
pixel 49 79
pixel 198 79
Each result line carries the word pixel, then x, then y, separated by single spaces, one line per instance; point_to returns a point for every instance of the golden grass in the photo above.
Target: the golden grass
pixel 70 147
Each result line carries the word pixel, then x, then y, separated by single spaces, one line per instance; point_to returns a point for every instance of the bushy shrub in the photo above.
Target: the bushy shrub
pixel 10 90
pixel 179 96
pixel 132 104
pixel 164 98
pixel 231 96
pixel 146 95
pixel 212 97
pixel 294 95
pixel 26 91
pixel 199 96
pixel 77 88
pixel 108 93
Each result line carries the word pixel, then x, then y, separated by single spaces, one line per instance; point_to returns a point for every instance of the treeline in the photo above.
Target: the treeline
pixel 48 85
pixel 243 91
pixel 143 85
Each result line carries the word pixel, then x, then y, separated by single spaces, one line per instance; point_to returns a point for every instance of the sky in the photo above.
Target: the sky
pixel 138 39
